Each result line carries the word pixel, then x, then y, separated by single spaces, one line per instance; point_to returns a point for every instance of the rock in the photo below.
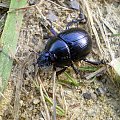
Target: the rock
pixel 87 95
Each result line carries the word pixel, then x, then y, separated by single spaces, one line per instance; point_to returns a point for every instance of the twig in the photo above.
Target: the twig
pixel 54 95
pixel 95 73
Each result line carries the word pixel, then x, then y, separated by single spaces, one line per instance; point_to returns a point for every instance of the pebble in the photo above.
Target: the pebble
pixel 36 101
pixel 0 118
pixel 23 115
pixel 104 81
pixel 94 96
pixel 51 16
pixel 91 112
pixel 75 4
pixel 32 2
pixel 100 91
pixel 21 103
pixel 87 95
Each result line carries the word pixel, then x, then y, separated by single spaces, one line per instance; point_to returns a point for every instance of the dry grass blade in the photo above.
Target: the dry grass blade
pixel 64 100
pixel 3 96
pixel 93 27
pixel 17 99
pixel 54 95
pixel 105 38
pixel 104 32
pixel 59 110
pixel 96 73
pixel 65 8
pixel 43 99
pixel 109 26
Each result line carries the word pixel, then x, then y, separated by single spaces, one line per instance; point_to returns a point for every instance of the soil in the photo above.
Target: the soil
pixel 97 98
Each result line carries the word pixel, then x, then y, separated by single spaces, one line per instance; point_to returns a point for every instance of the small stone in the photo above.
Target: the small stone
pixel 41 118
pixel 104 81
pixel 21 103
pixel 36 101
pixel 23 115
pixel 93 96
pixel 74 4
pixel 87 95
pixel 91 112
pixel 32 2
pixel 100 91
pixel 51 16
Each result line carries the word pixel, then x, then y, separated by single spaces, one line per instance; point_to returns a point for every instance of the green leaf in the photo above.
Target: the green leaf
pixel 71 80
pixel 59 110
pixel 9 38
pixel 88 68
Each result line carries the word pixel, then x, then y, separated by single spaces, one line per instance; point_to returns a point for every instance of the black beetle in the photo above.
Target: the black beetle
pixel 69 46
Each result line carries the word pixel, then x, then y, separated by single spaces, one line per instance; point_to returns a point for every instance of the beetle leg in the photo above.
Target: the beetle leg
pixel 61 71
pixel 75 69
pixel 71 23
pixel 94 62
pixel 52 29
pixel 81 19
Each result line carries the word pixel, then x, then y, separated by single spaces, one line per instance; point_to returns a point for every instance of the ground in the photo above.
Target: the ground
pixel 29 90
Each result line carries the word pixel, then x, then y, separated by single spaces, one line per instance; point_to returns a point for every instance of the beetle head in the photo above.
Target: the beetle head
pixel 44 60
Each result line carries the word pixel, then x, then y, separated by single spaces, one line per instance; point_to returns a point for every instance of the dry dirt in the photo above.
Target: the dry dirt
pixel 94 99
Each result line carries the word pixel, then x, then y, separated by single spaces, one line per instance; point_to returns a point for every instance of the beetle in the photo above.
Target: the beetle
pixel 65 48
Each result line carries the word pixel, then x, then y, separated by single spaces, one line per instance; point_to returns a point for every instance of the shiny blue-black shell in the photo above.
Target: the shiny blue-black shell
pixel 73 44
